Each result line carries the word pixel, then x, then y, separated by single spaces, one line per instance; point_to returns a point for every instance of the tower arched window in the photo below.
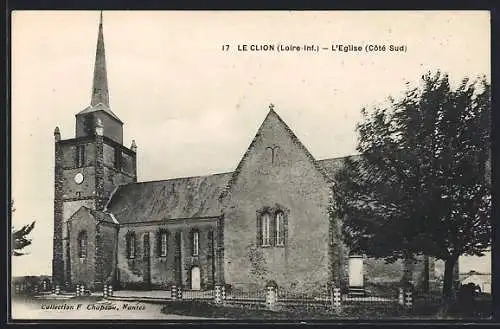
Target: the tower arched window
pixel 118 161
pixel 82 244
pixel 80 155
pixel 131 245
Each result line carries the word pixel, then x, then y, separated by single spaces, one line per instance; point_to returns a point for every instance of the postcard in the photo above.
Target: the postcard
pixel 258 165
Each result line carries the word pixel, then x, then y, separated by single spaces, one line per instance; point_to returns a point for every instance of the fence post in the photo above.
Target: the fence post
pixel 58 290
pixel 271 296
pixel 44 285
pixel 336 298
pixel 78 290
pixel 408 299
pixel 105 291
pixel 173 292
pixel 401 297
pixel 223 293
pixel 110 290
pixel 179 292
pixel 218 294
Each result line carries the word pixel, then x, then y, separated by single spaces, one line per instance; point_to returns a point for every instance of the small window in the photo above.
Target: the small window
pixel 80 155
pixel 146 245
pixel 82 244
pixel 196 243
pixel 163 243
pixel 280 230
pixel 266 225
pixel 131 245
pixel 273 153
pixel 118 159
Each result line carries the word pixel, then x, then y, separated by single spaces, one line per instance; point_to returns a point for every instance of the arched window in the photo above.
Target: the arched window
pixel 146 247
pixel 196 242
pixel 131 245
pixel 271 227
pixel 280 229
pixel 80 155
pixel 162 243
pixel 82 244
pixel 273 153
pixel 266 228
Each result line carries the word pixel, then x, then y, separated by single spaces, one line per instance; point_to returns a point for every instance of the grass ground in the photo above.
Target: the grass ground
pixel 299 313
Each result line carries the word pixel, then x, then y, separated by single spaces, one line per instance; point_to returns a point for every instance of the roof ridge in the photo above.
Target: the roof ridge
pixel 177 178
pixel 84 208
pixel 340 157
pixel 99 107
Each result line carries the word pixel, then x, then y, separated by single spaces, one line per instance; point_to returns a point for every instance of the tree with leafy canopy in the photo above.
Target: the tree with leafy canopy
pixel 19 239
pixel 421 185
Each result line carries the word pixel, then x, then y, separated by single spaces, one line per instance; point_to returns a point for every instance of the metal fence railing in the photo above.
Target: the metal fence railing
pixel 31 287
pixel 240 295
pixel 198 294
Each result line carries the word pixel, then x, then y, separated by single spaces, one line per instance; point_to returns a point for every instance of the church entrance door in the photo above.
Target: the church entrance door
pixel 356 271
pixel 146 260
pixel 195 278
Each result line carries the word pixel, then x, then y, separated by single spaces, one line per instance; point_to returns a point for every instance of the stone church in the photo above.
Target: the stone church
pixel 266 220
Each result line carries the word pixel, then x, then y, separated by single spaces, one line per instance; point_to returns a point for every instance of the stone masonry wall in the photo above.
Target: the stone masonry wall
pixel 291 183
pixel 58 272
pixel 83 269
pixel 175 267
pixel 109 236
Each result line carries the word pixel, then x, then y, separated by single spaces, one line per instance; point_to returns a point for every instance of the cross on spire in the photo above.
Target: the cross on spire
pixel 271 107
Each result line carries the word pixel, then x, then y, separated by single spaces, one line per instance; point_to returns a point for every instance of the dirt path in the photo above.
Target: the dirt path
pixel 89 308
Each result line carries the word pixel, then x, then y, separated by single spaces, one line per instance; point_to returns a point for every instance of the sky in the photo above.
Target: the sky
pixel 193 108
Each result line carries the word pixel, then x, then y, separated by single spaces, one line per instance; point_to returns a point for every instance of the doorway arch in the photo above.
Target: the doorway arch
pixel 356 271
pixel 195 278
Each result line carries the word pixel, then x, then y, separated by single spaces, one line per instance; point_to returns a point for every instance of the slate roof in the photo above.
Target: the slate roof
pixel 99 216
pixel 192 197
pixel 332 165
pixel 102 216
pixel 188 197
pixel 99 107
pixel 178 198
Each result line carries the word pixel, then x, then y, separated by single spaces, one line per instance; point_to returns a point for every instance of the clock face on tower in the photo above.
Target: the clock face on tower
pixel 79 178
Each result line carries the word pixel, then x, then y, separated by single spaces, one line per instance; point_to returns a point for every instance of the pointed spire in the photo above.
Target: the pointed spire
pixel 100 83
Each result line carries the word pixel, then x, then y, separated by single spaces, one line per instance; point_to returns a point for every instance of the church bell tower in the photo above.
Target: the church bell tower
pixel 90 166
